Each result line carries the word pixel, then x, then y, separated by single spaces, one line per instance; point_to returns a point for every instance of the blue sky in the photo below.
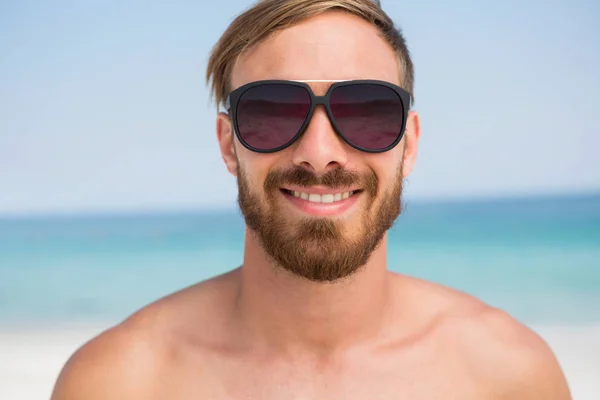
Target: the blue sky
pixel 103 105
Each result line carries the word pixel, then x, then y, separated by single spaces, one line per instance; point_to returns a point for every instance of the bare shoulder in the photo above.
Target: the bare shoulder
pixel 127 361
pixel 118 363
pixel 494 347
pixel 512 357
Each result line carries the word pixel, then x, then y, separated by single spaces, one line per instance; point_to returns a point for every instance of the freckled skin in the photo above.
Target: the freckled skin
pixel 261 333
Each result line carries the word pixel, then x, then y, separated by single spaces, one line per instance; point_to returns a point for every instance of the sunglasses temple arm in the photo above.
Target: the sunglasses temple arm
pixel 227 105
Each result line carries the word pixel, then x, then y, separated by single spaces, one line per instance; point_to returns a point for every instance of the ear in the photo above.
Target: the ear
pixel 412 134
pixel 226 138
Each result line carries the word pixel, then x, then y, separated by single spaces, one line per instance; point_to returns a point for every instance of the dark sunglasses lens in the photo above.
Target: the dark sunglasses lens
pixel 368 115
pixel 270 115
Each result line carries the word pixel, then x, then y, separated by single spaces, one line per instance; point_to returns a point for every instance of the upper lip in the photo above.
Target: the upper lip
pixel 319 189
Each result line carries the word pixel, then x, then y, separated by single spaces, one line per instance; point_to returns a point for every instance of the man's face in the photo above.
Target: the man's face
pixel 320 241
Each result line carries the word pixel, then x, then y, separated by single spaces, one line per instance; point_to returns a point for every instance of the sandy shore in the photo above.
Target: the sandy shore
pixel 30 360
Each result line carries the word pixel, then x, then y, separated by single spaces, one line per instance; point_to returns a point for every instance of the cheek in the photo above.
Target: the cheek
pixel 255 167
pixel 386 166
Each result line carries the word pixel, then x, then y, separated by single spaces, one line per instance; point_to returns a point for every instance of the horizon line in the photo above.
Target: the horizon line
pixel 234 208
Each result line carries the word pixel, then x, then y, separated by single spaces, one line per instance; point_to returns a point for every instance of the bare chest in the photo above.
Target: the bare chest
pixel 428 378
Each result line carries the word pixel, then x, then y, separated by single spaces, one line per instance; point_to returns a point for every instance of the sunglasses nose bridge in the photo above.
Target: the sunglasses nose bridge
pixel 322 101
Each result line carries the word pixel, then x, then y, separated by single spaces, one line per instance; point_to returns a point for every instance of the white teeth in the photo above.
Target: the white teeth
pixel 315 198
pixel 327 198
pixel 322 198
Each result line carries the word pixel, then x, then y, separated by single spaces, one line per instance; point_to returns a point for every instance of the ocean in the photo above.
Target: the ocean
pixel 537 258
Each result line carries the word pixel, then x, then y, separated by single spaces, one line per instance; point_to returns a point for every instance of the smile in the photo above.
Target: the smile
pixel 321 202
pixel 321 198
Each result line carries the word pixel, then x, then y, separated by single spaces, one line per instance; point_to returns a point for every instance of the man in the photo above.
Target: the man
pixel 313 312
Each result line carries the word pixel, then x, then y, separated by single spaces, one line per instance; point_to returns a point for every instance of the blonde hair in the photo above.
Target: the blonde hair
pixel 269 16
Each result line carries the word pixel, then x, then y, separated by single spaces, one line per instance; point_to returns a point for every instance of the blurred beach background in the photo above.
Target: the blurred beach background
pixel 113 193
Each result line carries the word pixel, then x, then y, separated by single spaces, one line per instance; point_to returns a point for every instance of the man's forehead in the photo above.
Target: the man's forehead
pixel 317 60
pixel 330 47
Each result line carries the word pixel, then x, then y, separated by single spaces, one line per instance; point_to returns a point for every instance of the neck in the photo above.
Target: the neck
pixel 291 313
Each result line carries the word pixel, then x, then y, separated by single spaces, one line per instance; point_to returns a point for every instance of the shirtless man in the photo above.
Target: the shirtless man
pixel 313 312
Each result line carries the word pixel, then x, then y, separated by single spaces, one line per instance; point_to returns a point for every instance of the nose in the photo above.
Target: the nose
pixel 320 148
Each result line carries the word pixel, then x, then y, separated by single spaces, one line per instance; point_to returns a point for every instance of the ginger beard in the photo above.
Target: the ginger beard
pixel 319 249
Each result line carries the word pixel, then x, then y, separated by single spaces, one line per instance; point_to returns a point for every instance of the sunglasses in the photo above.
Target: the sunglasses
pixel 270 115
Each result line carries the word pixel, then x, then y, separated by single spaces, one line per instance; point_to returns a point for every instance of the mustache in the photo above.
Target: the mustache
pixel 335 179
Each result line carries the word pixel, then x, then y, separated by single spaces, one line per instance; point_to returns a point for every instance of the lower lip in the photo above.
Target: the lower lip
pixel 322 209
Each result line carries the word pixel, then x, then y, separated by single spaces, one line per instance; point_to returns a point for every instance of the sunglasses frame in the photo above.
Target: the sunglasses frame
pixel 231 104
